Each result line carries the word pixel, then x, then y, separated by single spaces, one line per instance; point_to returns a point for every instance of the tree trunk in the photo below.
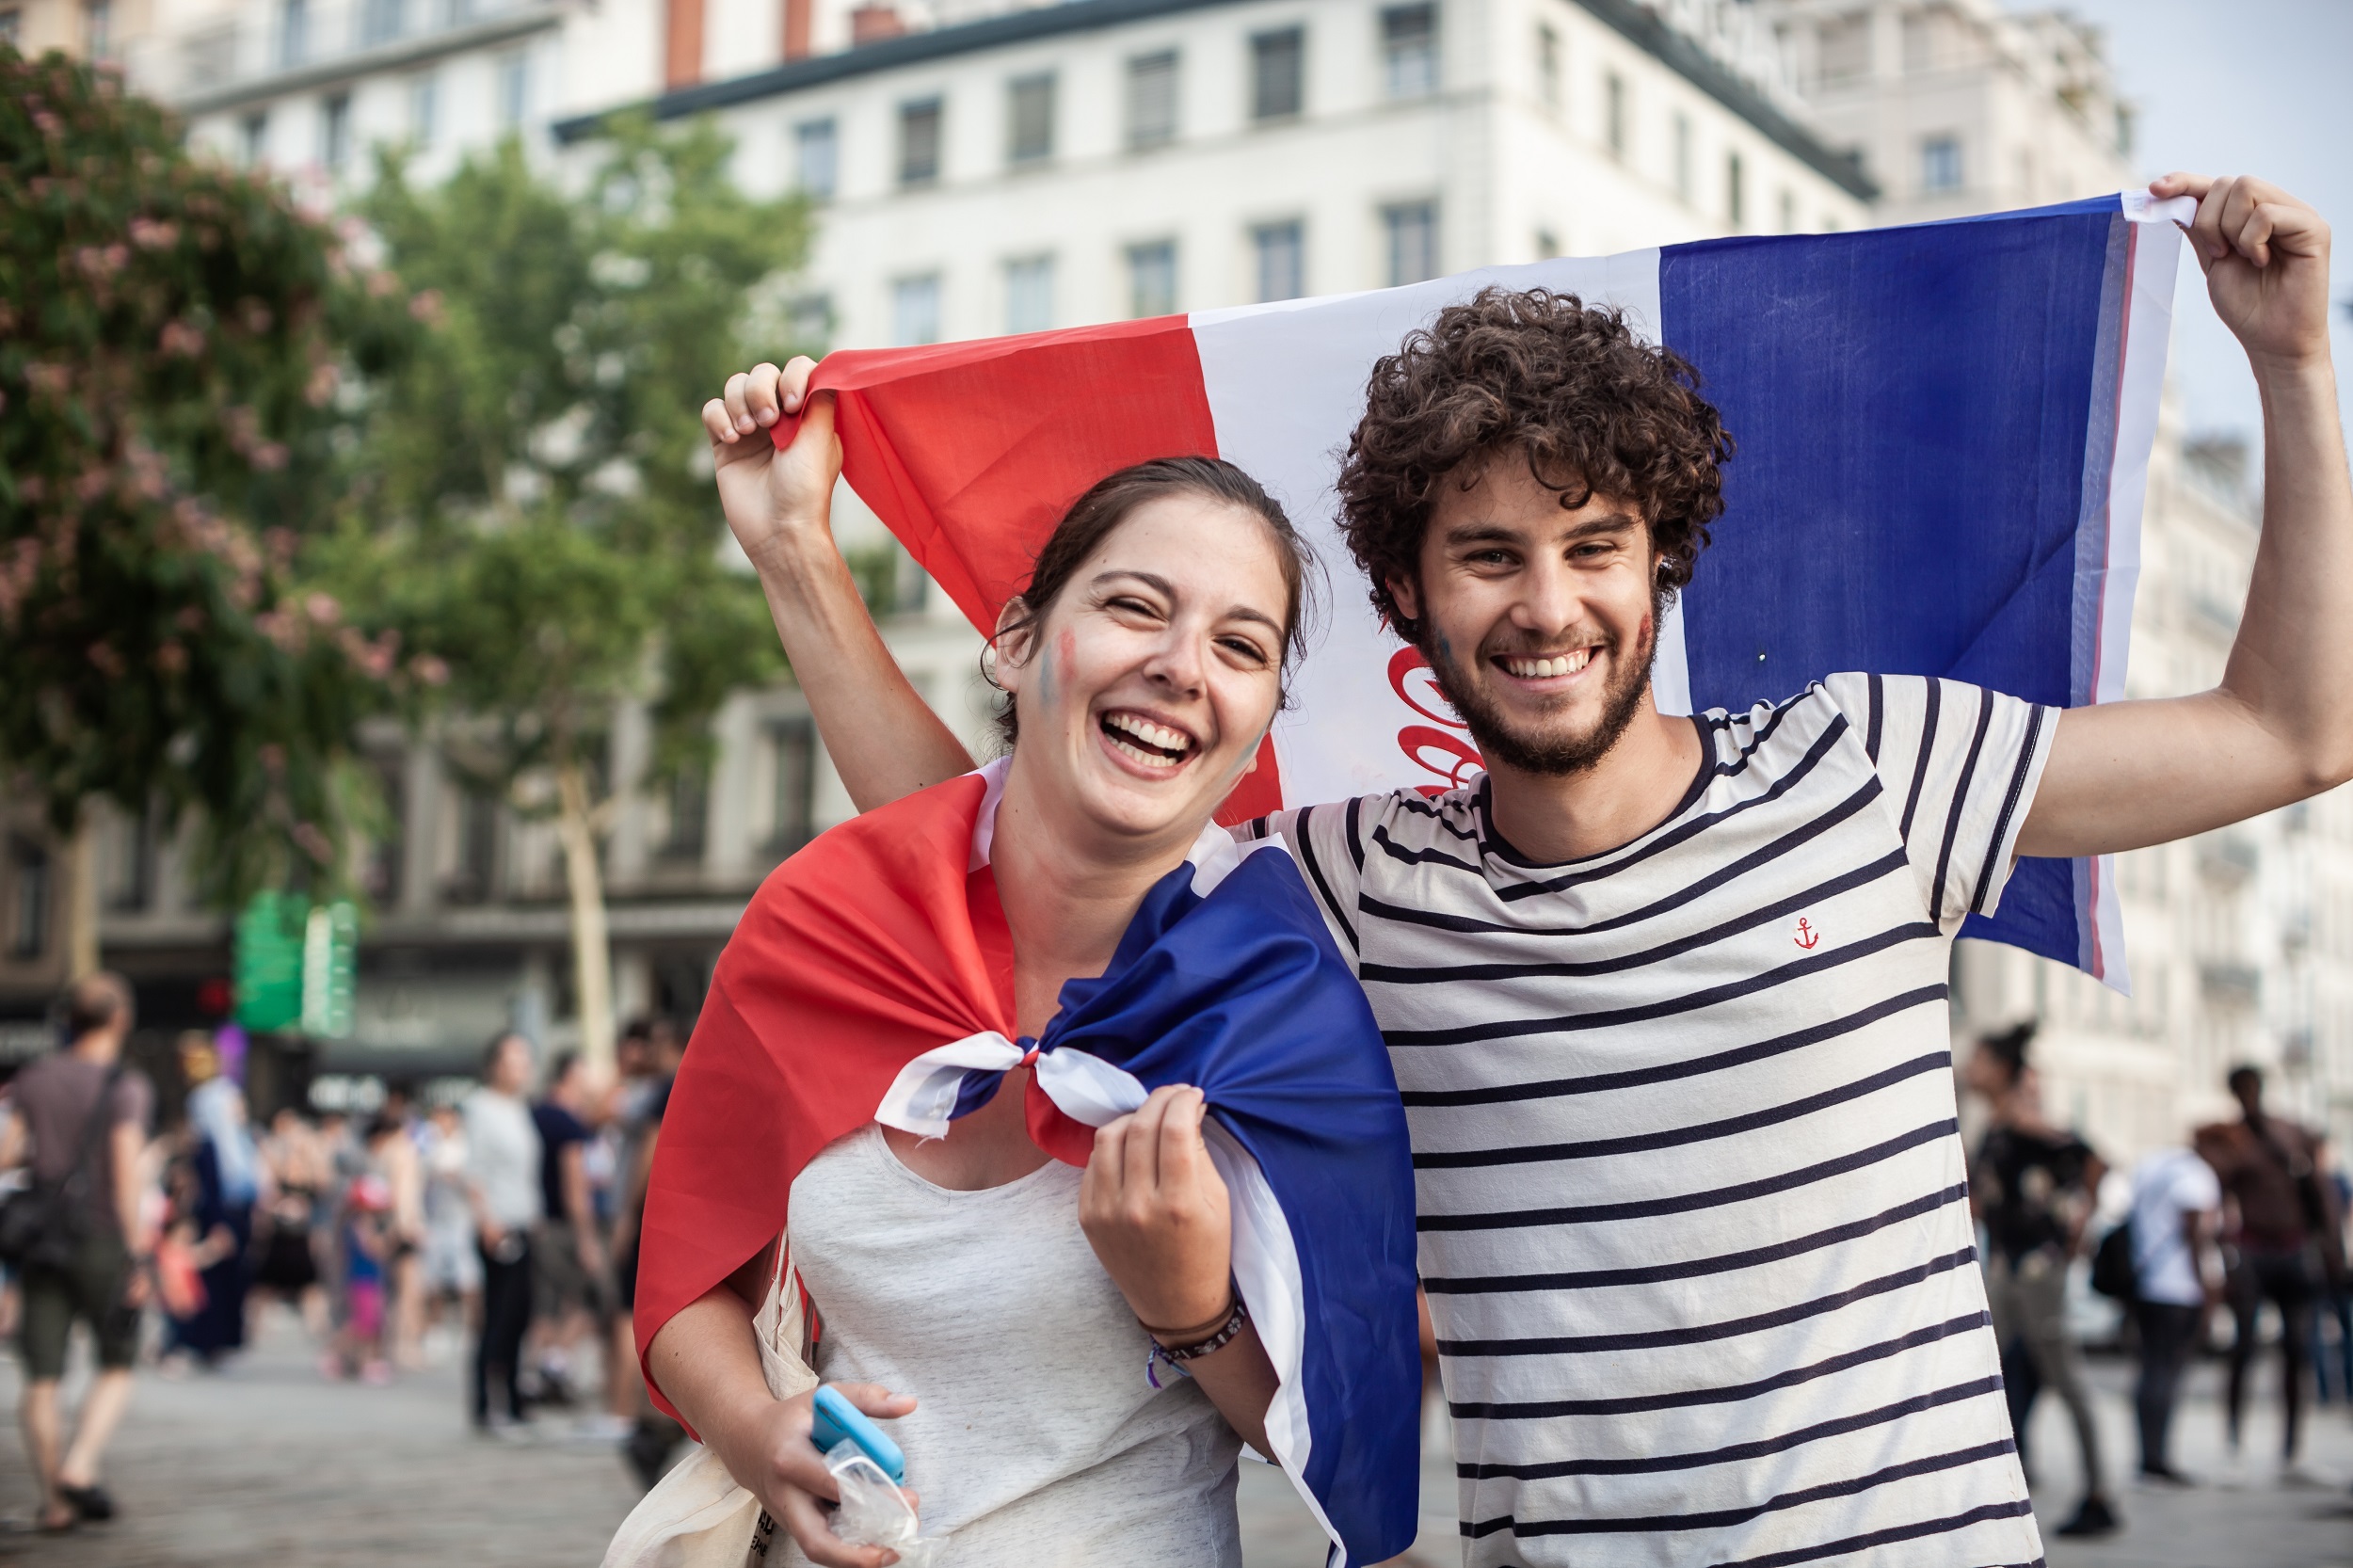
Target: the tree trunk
pixel 592 951
pixel 81 907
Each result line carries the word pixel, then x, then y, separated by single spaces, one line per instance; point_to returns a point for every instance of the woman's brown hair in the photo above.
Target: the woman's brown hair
pixel 1110 502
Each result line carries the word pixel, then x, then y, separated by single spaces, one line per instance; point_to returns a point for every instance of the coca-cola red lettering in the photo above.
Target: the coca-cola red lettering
pixel 1449 755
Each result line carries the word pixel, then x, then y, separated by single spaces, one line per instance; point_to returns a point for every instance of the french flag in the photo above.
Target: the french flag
pixel 1944 436
pixel 871 980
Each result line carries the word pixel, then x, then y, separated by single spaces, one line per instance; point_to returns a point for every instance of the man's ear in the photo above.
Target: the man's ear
pixel 1405 590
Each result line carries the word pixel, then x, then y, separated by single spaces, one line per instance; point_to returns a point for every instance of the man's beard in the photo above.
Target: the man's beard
pixel 1548 754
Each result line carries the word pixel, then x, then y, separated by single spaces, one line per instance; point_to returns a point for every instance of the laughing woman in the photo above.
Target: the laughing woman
pixel 1060 955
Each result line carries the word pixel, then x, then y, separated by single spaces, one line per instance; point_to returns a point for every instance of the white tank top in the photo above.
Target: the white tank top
pixel 1036 1442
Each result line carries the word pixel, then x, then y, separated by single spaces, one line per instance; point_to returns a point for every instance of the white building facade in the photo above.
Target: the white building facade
pixel 981 169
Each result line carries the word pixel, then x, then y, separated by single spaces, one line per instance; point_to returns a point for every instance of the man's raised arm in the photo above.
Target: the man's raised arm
pixel 884 739
pixel 2280 728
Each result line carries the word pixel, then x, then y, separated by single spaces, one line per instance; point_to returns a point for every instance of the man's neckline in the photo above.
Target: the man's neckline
pixel 1491 841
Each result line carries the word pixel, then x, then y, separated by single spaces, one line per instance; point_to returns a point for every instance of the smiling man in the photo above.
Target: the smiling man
pixel 1666 996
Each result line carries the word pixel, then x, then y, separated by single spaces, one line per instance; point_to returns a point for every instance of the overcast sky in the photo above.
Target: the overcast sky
pixel 2230 86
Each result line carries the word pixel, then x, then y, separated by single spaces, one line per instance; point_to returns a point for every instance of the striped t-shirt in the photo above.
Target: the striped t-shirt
pixel 1693 1222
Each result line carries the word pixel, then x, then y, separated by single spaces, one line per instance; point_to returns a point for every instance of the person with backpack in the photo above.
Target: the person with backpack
pixel 2283 1245
pixel 2034 1187
pixel 74 1236
pixel 2173 1285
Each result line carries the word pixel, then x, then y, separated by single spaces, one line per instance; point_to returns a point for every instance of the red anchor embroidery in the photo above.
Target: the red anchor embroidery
pixel 1807 937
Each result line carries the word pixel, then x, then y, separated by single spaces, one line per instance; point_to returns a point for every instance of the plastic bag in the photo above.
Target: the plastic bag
pixel 874 1512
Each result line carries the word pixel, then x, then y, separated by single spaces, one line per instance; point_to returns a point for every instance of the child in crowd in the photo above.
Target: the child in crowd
pixel 368 1243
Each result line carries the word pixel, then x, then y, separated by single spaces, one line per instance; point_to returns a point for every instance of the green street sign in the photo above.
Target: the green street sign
pixel 296 965
pixel 268 963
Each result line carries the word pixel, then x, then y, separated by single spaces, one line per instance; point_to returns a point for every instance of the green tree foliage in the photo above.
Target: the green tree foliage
pixel 179 348
pixel 541 515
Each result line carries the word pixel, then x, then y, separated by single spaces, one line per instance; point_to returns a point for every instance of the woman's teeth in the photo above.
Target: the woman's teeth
pixel 1536 669
pixel 1154 746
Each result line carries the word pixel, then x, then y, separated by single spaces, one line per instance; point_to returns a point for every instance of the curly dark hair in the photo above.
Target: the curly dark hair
pixel 1591 408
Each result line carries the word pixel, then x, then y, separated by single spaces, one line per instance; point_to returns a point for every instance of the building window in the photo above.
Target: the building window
pixel 915 310
pixel 1736 197
pixel 808 324
pixel 293 33
pixel 1152 278
pixel 335 132
pixel 252 139
pixel 1409 51
pixel 1152 100
pixel 1683 158
pixel 794 751
pixel 1843 47
pixel 380 872
pixel 1281 252
pixel 690 815
pixel 1029 114
pixel 816 158
pixel 379 21
pixel 1613 112
pixel 1788 212
pixel 918 142
pixel 1410 230
pixel 1940 163
pixel 1030 293
pixel 1548 68
pixel 98 28
pixel 514 88
pixel 475 879
pixel 424 108
pixel 12 28
pixel 1278 73
pixel 1548 245
pixel 28 909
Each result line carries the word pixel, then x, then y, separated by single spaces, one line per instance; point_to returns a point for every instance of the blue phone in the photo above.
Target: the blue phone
pixel 837 1420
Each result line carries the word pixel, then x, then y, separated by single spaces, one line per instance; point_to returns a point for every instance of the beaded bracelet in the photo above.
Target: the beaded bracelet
pixel 1174 1358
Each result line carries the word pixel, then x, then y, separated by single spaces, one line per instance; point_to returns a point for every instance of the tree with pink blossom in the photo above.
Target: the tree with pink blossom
pixel 179 346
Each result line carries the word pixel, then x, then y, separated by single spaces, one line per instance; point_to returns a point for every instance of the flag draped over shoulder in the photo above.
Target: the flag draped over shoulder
pixel 872 980
pixel 1944 436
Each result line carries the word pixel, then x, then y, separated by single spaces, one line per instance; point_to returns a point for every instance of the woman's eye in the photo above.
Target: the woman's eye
pixel 1243 648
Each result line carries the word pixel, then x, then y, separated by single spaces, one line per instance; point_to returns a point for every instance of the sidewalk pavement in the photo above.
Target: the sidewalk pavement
pixel 2241 1518
pixel 268 1466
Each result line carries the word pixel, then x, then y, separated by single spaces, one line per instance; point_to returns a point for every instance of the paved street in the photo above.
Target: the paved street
pixel 269 1466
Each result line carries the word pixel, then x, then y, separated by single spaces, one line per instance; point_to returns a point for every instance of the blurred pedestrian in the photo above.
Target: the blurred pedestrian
pixel 393 1159
pixel 2177 1282
pixel 368 1237
pixel 227 1180
pixel 658 1049
pixel 82 1118
pixel 2282 1245
pixel 502 1185
pixel 295 1166
pixel 450 1267
pixel 2034 1186
pixel 2336 1308
pixel 570 1299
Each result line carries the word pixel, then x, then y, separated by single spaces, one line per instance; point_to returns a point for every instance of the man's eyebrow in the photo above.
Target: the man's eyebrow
pixel 1497 533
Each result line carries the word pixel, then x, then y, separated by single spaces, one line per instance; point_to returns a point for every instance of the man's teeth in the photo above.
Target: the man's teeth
pixel 1171 744
pixel 1536 669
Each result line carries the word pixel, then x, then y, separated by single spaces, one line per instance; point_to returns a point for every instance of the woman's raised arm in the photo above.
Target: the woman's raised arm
pixel 883 738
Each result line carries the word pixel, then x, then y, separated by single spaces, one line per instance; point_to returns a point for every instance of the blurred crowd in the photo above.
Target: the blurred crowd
pixel 2233 1243
pixel 498 1223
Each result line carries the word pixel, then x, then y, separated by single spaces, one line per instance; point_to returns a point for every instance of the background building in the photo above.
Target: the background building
pixel 982 169
pixel 986 168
